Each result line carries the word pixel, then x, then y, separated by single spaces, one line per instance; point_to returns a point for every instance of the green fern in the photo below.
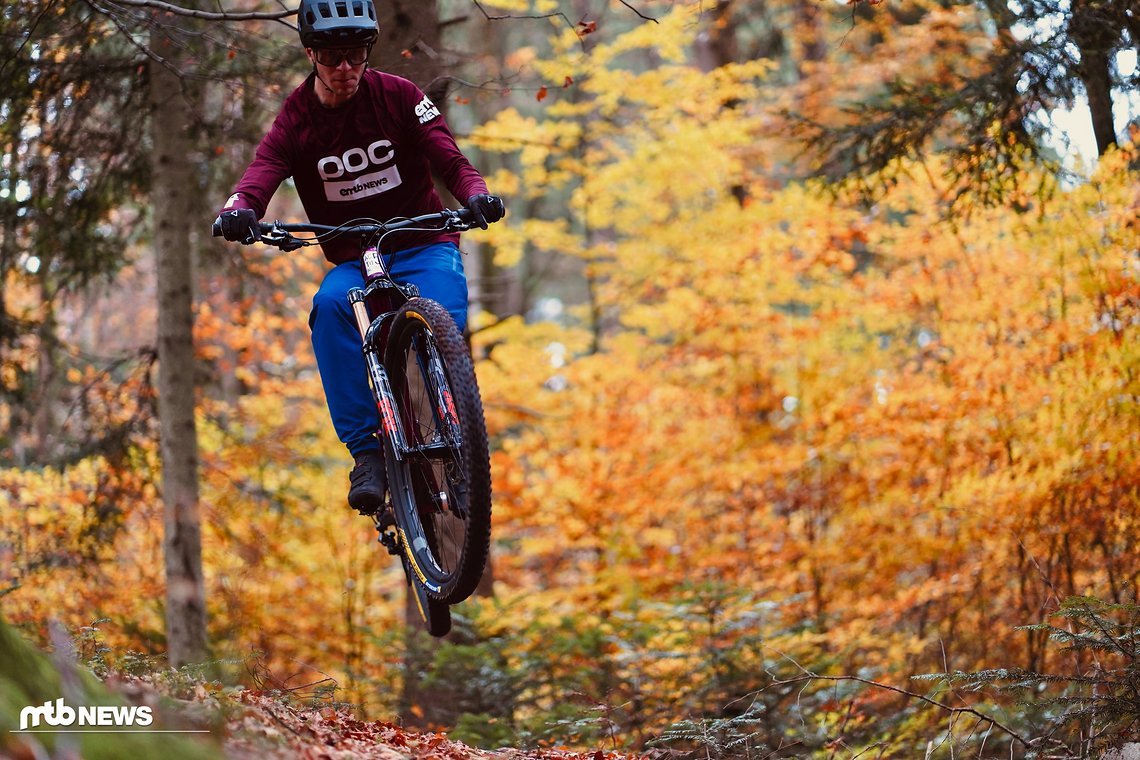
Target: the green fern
pixel 734 736
pixel 1094 707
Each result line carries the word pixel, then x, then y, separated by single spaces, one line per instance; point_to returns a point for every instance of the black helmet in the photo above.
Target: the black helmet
pixel 336 23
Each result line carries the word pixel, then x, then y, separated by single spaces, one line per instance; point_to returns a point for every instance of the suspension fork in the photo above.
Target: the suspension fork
pixel 381 387
pixel 427 354
pixel 431 367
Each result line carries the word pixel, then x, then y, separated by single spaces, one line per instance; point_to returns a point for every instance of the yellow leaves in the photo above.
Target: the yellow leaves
pixel 506 131
pixel 506 183
pixel 854 412
pixel 670 39
pixel 512 237
pixel 545 151
pixel 789 375
pixel 47 518
pixel 9 378
pixel 675 315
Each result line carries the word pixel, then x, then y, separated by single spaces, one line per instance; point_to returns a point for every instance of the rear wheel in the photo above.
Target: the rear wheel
pixel 441 489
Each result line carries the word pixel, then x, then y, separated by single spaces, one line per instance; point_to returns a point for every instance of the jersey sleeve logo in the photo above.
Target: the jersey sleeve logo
pixel 426 110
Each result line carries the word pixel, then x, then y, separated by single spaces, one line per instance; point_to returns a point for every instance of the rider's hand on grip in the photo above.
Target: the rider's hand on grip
pixel 239 225
pixel 486 209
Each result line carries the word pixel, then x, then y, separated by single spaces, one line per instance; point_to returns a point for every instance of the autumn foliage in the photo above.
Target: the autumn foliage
pixel 782 435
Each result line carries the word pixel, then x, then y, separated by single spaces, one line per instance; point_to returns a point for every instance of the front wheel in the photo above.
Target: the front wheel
pixel 441 488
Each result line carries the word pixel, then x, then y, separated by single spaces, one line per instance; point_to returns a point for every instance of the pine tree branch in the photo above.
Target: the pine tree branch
pixel 143 49
pixel 27 36
pixel 809 677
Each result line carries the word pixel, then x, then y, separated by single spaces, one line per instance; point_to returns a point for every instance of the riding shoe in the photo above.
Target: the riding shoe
pixel 367 482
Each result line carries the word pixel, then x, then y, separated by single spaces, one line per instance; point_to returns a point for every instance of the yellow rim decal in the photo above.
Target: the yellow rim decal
pixel 415 565
pixel 408 550
pixel 417 315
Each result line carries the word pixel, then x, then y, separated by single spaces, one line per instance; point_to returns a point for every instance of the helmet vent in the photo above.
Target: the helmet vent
pixel 337 23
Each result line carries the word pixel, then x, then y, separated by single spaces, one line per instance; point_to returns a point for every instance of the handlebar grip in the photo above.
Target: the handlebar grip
pixel 216 229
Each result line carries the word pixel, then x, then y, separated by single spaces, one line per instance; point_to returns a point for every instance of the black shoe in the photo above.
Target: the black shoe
pixel 366 483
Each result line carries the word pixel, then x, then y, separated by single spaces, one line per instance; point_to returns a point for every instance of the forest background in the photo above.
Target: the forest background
pixel 808 351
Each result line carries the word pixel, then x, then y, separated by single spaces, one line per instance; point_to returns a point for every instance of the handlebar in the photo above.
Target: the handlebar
pixel 279 233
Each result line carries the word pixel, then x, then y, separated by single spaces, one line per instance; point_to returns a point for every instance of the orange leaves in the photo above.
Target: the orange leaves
pixel 839 401
pixel 586 28
pixel 853 416
pixel 543 92
pixel 297 731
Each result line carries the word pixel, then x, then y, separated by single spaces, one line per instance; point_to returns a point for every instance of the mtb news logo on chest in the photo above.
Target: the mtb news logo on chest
pixel 380 156
pixel 59 714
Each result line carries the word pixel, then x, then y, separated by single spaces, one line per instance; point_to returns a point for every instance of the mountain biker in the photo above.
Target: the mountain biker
pixel 360 143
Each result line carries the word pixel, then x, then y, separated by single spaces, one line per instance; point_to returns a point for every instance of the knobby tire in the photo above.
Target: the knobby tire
pixel 442 500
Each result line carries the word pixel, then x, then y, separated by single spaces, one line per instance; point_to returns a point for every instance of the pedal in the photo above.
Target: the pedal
pixel 385 519
pixel 390 542
pixel 385 524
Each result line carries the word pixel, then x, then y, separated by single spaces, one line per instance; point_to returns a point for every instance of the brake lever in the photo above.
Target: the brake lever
pixel 454 222
pixel 274 236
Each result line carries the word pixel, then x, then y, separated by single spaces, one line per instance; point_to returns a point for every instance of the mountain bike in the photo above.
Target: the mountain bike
pixel 436 514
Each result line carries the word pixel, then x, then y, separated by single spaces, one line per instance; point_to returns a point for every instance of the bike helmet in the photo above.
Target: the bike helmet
pixel 336 23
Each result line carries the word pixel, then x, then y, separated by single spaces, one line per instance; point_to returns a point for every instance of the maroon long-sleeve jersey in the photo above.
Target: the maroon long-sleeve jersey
pixel 369 158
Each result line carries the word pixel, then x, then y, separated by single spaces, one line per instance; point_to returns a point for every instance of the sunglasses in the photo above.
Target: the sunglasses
pixel 333 58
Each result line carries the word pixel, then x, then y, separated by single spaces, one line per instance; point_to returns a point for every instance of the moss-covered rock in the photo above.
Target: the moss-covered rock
pixel 30 678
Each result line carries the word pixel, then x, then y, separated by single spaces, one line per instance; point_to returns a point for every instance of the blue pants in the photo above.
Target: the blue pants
pixel 436 270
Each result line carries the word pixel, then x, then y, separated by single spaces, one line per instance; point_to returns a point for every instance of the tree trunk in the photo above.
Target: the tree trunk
pixel 45 443
pixel 1094 35
pixel 409 44
pixel 1094 72
pixel 812 33
pixel 172 187
pixel 716 44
